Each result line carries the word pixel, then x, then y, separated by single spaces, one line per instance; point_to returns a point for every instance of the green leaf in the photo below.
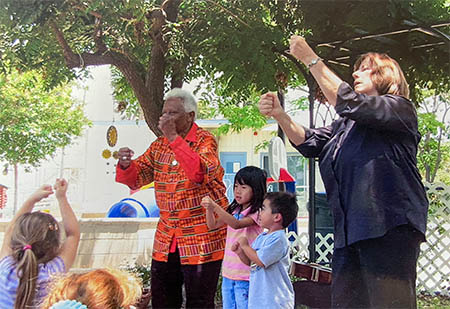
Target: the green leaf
pixel 35 121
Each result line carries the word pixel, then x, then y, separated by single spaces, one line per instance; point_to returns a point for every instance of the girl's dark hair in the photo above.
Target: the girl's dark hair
pixel 40 231
pixel 256 178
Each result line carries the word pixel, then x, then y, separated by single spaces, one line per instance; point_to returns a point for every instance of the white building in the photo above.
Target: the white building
pixel 92 188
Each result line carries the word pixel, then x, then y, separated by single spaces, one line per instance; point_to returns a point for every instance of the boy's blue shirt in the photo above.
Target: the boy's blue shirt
pixel 270 286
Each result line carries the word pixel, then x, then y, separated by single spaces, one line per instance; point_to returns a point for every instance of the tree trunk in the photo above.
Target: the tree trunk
pixel 427 173
pixel 147 82
pixel 150 93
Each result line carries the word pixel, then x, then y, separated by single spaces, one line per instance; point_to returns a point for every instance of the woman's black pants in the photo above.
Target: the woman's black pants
pixel 378 272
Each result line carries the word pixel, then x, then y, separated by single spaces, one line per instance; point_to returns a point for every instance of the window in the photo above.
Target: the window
pixel 297 166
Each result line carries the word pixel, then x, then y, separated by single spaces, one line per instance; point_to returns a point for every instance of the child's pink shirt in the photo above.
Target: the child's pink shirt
pixel 232 267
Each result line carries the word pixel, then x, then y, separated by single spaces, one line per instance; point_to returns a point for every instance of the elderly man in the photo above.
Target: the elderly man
pixel 185 167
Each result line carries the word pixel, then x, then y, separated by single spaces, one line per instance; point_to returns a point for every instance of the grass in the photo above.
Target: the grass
pixel 423 302
pixel 428 301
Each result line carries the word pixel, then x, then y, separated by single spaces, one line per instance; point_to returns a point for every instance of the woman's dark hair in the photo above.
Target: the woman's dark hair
pixel 256 178
pixel 40 231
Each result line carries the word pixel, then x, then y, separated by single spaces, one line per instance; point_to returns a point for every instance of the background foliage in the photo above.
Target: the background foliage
pixel 237 47
pixel 35 122
pixel 434 148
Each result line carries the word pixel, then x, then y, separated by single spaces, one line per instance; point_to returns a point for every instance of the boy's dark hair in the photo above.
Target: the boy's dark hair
pixel 256 178
pixel 284 203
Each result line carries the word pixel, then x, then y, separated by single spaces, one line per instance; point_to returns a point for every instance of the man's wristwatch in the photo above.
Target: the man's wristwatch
pixel 313 62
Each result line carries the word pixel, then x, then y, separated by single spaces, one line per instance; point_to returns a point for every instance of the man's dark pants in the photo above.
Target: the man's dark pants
pixel 200 283
pixel 379 272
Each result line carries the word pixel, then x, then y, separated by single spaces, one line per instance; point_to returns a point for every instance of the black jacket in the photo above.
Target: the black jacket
pixel 367 160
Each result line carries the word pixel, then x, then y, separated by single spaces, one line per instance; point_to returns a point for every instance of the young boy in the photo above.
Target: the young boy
pixel 268 257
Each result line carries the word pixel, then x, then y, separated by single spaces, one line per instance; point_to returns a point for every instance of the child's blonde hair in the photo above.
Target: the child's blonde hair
pixel 97 289
pixel 35 240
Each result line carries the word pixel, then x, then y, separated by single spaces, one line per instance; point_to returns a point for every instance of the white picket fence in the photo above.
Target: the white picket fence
pixel 434 261
pixel 433 269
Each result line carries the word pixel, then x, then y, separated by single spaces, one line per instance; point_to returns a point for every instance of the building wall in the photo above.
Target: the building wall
pixel 247 140
pixel 92 188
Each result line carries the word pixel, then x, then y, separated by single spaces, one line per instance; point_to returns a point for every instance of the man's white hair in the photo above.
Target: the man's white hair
pixel 190 105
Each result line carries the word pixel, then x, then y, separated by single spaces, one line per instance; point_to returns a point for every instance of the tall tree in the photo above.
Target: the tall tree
pixel 238 45
pixel 35 122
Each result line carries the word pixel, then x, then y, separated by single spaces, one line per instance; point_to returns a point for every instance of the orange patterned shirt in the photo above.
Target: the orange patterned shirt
pixel 184 172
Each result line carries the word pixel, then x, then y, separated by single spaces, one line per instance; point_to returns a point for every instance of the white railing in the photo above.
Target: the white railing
pixel 434 261
pixel 433 269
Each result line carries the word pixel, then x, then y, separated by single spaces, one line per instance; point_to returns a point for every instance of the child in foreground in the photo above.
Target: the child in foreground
pixel 96 289
pixel 268 256
pixel 32 250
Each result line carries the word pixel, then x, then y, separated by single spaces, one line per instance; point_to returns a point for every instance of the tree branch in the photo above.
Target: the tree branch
pixel 83 8
pixel 128 68
pixel 229 12
pixel 298 64
pixel 156 67
pixel 179 69
pixel 98 36
pixel 74 60
pixel 170 7
pixel 439 139
pixel 71 58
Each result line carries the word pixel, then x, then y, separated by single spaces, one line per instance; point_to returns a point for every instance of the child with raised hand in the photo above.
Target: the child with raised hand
pixel 241 218
pixel 31 251
pixel 268 256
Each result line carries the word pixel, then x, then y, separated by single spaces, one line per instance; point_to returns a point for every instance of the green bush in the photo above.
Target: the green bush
pixel 428 301
pixel 142 271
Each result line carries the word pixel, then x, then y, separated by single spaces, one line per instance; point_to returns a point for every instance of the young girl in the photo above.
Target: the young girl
pixel 242 220
pixel 31 250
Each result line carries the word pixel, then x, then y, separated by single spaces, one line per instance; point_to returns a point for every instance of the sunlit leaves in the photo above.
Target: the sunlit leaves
pixel 233 44
pixel 434 147
pixel 35 122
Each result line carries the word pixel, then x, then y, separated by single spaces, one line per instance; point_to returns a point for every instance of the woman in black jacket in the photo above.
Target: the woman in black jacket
pixel 367 160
